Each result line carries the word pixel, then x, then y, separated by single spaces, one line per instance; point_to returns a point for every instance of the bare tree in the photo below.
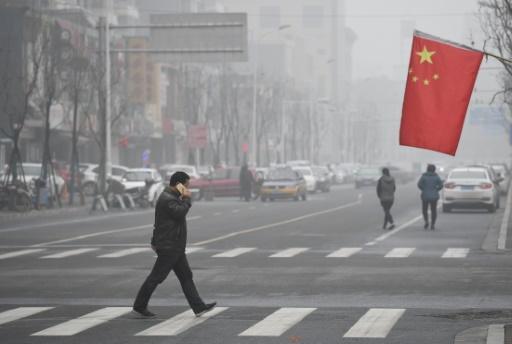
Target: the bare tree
pixel 496 21
pixel 18 85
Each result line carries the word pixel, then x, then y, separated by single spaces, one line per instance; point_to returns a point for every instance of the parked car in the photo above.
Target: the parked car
pixel 502 171
pixel 367 176
pixel 32 171
pixel 90 172
pixel 89 178
pixel 283 183
pixel 168 170
pixel 470 187
pixel 323 178
pixel 308 175
pixel 205 171
pixel 223 182
pixel 134 182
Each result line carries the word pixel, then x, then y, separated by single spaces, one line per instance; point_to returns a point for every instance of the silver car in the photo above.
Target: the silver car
pixel 470 187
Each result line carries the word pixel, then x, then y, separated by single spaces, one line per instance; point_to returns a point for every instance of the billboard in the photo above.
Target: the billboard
pixel 199 37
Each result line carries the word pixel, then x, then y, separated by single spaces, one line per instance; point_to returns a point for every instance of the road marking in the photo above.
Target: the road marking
pixel 278 322
pixel 126 252
pixel 496 334
pixel 456 253
pixel 180 323
pixel 252 208
pixel 92 235
pixel 69 253
pixel 20 313
pixel 290 252
pixel 217 214
pixel 189 250
pixel 401 252
pixel 277 224
pixel 376 323
pixel 20 253
pixel 394 231
pixel 502 238
pixel 69 222
pixel 236 211
pixel 234 252
pixel 344 252
pixel 85 322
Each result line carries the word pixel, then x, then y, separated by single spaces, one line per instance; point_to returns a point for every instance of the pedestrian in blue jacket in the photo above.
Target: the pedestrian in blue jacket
pixel 430 184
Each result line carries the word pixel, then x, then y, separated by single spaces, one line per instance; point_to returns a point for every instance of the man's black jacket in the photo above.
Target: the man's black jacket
pixel 170 231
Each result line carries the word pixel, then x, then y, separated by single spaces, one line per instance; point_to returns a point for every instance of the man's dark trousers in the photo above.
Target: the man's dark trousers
pixel 386 205
pixel 433 210
pixel 169 260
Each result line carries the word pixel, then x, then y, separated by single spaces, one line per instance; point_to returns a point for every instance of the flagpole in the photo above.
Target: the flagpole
pixel 502 59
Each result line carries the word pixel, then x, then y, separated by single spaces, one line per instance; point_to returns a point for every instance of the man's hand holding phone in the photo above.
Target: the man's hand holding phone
pixel 183 190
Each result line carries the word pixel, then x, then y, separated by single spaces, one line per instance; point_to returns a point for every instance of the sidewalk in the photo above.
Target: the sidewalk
pixel 7 216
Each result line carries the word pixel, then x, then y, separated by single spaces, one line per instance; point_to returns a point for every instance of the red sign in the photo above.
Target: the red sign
pixel 198 136
pixel 245 148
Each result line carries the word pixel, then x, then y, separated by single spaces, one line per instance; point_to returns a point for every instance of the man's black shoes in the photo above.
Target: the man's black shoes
pixel 208 307
pixel 142 314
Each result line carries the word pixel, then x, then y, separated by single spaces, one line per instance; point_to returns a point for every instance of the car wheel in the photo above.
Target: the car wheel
pixel 296 198
pixel 491 208
pixel 89 188
pixel 304 196
pixel 199 196
pixel 263 199
pixel 271 199
pixel 446 208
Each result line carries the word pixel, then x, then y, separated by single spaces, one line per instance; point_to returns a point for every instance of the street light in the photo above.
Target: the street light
pixel 255 90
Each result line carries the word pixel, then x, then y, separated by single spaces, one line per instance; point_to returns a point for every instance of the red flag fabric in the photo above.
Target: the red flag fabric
pixel 439 84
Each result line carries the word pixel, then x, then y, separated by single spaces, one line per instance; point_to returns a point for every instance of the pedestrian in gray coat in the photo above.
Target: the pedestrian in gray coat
pixel 430 184
pixel 386 192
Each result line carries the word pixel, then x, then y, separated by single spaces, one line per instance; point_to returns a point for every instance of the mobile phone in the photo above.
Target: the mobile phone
pixel 181 188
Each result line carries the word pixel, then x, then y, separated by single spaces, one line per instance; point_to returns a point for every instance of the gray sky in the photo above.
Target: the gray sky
pixel 378 23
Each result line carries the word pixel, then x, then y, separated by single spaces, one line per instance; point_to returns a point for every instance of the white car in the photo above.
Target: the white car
pixel 470 187
pixel 134 180
pixel 32 171
pixel 90 172
pixel 168 170
pixel 308 175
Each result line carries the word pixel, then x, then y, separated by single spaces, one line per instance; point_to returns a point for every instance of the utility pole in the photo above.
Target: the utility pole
pixel 335 140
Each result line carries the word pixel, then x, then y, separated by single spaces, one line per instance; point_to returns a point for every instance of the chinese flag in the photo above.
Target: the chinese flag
pixel 439 84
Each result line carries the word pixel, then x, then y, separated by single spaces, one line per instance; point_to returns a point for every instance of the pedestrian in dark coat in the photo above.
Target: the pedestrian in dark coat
pixel 430 184
pixel 169 241
pixel 386 188
pixel 246 183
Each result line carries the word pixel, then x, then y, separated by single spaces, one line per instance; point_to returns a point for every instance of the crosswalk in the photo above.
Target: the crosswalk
pixel 374 323
pixel 343 252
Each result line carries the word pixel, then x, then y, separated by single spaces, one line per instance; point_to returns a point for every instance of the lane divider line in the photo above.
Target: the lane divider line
pixel 502 238
pixel 280 223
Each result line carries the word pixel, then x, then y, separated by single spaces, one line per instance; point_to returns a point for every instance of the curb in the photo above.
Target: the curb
pixel 10 215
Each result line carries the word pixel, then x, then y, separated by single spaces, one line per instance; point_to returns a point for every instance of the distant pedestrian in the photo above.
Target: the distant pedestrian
pixel 169 241
pixel 246 183
pixel 386 188
pixel 430 184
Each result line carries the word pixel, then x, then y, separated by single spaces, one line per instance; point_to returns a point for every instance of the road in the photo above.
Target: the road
pixel 320 271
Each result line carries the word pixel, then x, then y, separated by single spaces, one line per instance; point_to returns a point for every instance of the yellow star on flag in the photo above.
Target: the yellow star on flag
pixel 436 76
pixel 426 82
pixel 425 55
pixel 414 78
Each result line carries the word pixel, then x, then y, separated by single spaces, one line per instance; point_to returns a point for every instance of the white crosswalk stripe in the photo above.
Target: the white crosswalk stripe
pixel 344 252
pixel 20 313
pixel 192 249
pixel 85 322
pixel 402 252
pixel 278 322
pixel 180 323
pixel 234 252
pixel 20 253
pixel 456 253
pixel 291 252
pixel 126 252
pixel 376 323
pixel 69 253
